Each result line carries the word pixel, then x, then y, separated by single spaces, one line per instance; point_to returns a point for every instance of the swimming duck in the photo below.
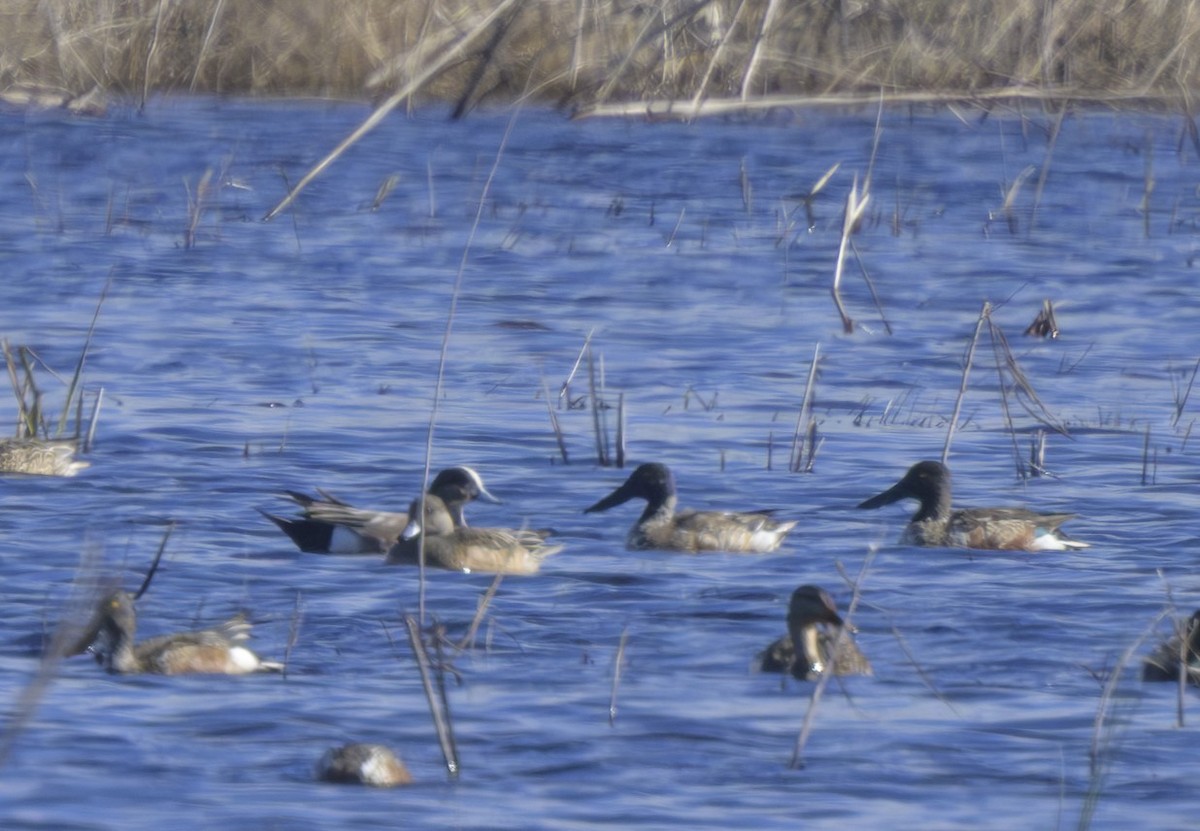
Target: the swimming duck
pixel 1164 663
pixel 43 457
pixel 810 609
pixel 213 651
pixel 660 527
pixel 458 548
pixel 936 524
pixel 363 764
pixel 330 526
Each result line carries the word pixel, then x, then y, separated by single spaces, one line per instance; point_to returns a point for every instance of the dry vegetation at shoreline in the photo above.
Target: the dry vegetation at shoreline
pixel 584 53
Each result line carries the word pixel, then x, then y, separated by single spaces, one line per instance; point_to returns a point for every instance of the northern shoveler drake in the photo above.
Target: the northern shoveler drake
pixel 1182 650
pixel 330 526
pixel 213 651
pixel 43 457
pixel 814 624
pixel 458 548
pixel 660 527
pixel 363 764
pixel 999 529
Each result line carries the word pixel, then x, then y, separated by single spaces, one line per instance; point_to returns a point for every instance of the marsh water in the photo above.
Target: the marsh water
pixel 249 357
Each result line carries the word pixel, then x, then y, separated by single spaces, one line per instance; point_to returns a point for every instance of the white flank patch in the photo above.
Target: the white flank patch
pixel 243 659
pixel 345 541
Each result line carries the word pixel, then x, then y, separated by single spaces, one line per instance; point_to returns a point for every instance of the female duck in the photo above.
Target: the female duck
pixel 458 548
pixel 212 651
pixel 52 457
pixel 1182 651
pixel 935 524
pixel 660 527
pixel 824 640
pixel 363 764
pixel 330 526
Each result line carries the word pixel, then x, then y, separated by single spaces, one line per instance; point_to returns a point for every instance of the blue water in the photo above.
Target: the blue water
pixel 303 352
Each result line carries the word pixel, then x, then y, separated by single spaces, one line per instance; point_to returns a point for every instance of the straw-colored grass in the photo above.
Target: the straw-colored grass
pixel 583 53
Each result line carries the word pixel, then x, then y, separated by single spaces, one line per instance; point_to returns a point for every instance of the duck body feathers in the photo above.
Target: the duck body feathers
pixel 937 524
pixel 660 527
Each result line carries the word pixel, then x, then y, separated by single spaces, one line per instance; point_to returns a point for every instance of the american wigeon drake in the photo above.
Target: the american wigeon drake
pixel 814 623
pixel 330 526
pixel 363 764
pixel 41 457
pixel 1182 650
pixel 1000 529
pixel 458 548
pixel 660 527
pixel 212 651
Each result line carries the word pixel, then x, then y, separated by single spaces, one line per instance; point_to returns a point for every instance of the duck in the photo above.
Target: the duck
pixel 217 651
pixel 459 548
pixel 363 764
pixel 661 527
pixel 1164 663
pixel 936 524
pixel 41 457
pixel 814 623
pixel 330 526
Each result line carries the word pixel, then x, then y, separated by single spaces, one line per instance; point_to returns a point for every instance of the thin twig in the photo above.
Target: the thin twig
pixel 480 610
pixel 984 313
pixel 805 415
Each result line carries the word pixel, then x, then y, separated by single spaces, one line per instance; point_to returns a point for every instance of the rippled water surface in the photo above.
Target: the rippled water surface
pixel 304 352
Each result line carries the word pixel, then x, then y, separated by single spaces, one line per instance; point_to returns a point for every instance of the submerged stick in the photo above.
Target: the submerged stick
pixel 984 313
pixel 437 708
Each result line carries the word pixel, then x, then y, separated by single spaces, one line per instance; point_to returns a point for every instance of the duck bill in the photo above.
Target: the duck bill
pixel 618 497
pixel 487 497
pixel 893 494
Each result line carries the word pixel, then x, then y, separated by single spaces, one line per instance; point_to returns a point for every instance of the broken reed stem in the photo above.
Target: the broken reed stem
pixel 480 609
pixel 1181 400
pixel 616 681
pixel 621 430
pixel 87 345
pixel 162 546
pixel 1045 171
pixel 810 715
pixel 445 58
pixel 564 392
pixel 804 417
pixel 862 268
pixel 93 421
pixel 441 370
pixel 1008 422
pixel 294 632
pixel 554 425
pixel 438 709
pixel 854 212
pixel 1146 457
pixel 984 314
pixel 601 435
pixel 1101 737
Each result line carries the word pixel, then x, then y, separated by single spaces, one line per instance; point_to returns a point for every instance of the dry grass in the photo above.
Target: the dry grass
pixel 589 52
